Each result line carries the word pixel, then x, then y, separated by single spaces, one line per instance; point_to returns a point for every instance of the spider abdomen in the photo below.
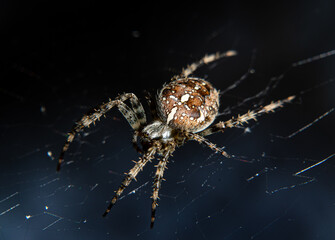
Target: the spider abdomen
pixel 189 104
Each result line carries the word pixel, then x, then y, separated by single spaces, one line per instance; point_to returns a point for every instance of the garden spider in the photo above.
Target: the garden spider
pixel 183 110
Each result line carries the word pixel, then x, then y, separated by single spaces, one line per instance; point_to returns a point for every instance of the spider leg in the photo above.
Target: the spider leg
pixel 241 119
pixel 136 106
pixel 97 113
pixel 161 166
pixel 201 139
pixel 139 165
pixel 205 60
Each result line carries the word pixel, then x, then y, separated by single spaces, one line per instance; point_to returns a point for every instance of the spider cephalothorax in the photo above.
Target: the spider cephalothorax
pixel 184 110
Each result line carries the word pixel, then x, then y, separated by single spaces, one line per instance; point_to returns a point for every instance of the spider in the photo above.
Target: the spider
pixel 183 110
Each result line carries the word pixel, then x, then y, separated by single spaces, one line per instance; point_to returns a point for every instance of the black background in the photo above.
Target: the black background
pixel 59 60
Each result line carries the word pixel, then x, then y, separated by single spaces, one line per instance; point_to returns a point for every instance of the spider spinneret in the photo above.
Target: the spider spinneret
pixel 184 110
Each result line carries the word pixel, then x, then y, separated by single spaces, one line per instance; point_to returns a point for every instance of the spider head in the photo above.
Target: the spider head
pixel 189 104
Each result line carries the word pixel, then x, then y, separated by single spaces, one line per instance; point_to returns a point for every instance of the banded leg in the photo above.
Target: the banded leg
pixel 161 166
pixel 129 115
pixel 205 141
pixel 139 165
pixel 205 60
pixel 241 119
pixel 136 106
pixel 90 118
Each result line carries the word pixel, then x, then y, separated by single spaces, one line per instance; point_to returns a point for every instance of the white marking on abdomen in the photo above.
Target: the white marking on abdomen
pixel 171 114
pixel 173 97
pixel 202 117
pixel 185 98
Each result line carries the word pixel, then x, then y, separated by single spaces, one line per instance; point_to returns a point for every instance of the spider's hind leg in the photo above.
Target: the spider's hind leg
pixel 205 60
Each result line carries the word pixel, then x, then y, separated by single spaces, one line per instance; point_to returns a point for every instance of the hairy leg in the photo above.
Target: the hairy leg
pixel 161 166
pixel 97 113
pixel 136 106
pixel 205 60
pixel 202 140
pixel 139 165
pixel 241 119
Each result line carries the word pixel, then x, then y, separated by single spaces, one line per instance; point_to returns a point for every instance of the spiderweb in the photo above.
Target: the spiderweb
pixel 279 184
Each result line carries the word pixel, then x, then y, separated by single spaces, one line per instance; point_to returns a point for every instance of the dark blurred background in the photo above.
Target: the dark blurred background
pixel 60 59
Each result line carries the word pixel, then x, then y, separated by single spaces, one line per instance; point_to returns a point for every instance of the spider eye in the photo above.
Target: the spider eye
pixel 189 104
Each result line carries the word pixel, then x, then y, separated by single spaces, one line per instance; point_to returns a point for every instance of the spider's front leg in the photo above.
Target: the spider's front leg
pixel 200 139
pixel 250 115
pixel 139 165
pixel 161 166
pixel 134 115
